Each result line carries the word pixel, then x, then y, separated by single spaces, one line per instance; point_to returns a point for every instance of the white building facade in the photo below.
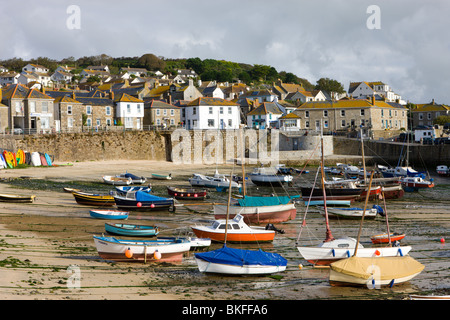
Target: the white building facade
pixel 212 113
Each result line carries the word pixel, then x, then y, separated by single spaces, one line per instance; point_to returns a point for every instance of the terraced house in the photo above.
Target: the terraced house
pixel 425 114
pixel 378 119
pixel 28 109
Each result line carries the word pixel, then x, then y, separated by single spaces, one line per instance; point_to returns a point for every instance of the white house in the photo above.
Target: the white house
pixel 265 116
pixel 9 78
pixel 129 110
pixel 35 68
pixel 364 90
pixel 61 76
pixel 212 113
pixel 213 92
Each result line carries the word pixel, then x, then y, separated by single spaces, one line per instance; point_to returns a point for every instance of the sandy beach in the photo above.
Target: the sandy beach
pixel 47 251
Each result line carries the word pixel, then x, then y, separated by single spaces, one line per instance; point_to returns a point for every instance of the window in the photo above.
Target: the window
pixel 88 109
pixel 158 122
pixel 342 113
pixel 70 122
pixel 194 111
pixel 343 123
pixel 307 124
pixel 108 111
pixel 157 112
pixel 306 114
pixel 128 108
pixel 108 122
pixel 325 124
pixel 69 109
pixel 429 115
pixel 138 108
pixel 44 106
pixel 98 122
pixel 89 122
pixel 172 122
pixel 382 113
pixel 210 110
pixel 172 112
pixel 32 106
pixel 210 122
pixel 420 116
pixel 229 110
pixel 165 112
pixel 362 112
pixel 230 122
pixel 221 110
pixel 45 123
pixel 325 113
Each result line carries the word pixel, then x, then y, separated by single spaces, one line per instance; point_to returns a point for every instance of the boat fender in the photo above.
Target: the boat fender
pixel 391 284
pixel 348 254
pixel 333 252
pixel 400 252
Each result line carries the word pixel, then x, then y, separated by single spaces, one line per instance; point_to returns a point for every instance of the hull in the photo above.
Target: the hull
pixel 257 215
pixel 350 213
pixel 393 192
pixel 383 238
pixel 131 230
pixel 109 214
pixel 209 267
pixel 16 198
pixel 317 192
pixel 187 194
pixel 141 251
pixel 116 181
pixel 338 279
pixel 161 176
pixel 374 194
pixel 93 199
pixel 341 203
pixel 269 180
pixel 143 202
pixel 324 256
pixel 203 232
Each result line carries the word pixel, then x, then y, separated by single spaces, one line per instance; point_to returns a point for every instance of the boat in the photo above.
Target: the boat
pixel 125 189
pixel 109 214
pixel 392 191
pixel 110 248
pixel 337 203
pixel 17 198
pixel 352 213
pixel 258 210
pixel 70 190
pixel 385 237
pixel 196 243
pixel 236 231
pixel 141 200
pixel 429 297
pixel 411 184
pixel 239 261
pixel 269 177
pixel 218 180
pixel 332 193
pixel 373 272
pixel 132 230
pixel 187 193
pixel 117 181
pixel 134 178
pixel 228 260
pixel 93 199
pixel 162 176
pixel 443 171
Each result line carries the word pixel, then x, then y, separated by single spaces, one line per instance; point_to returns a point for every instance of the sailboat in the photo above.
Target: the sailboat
pixel 331 249
pixel 239 261
pixel 373 272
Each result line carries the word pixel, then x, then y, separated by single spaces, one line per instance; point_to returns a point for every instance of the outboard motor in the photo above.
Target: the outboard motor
pixel 380 210
pixel 270 226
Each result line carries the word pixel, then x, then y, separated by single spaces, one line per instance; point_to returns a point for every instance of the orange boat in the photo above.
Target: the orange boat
pixel 383 238
pixel 237 231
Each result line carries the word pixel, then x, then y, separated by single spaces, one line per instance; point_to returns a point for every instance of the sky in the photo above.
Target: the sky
pixel 403 43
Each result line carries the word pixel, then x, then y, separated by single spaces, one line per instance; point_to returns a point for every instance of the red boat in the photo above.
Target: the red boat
pixel 374 193
pixel 383 238
pixel 187 193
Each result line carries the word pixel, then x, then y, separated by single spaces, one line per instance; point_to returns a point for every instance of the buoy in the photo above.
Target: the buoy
pixel 442 240
pixel 300 266
pixel 377 253
pixel 195 195
pixel 128 253
pixel 152 205
pixel 157 255
pixel 139 204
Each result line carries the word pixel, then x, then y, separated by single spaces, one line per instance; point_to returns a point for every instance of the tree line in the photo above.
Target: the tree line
pixel 207 69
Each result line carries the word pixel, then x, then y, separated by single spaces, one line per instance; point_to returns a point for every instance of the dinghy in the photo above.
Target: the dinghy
pixel 109 214
pixel 116 181
pixel 132 230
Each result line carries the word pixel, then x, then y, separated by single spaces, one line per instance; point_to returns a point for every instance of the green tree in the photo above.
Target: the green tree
pixel 441 120
pixel 151 62
pixel 329 85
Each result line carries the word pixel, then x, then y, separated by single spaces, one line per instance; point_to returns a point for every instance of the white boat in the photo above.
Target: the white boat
pixel 170 250
pixel 218 180
pixel 374 272
pixel 236 231
pixel 350 213
pixel 117 181
pixel 330 251
pixel 258 214
pixel 134 178
pixel 269 177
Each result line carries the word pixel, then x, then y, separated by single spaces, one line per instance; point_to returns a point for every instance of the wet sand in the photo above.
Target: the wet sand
pixel 47 251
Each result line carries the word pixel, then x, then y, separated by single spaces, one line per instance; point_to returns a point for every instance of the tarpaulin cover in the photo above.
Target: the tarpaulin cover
pixel 145 196
pixel 250 201
pixel 241 257
pixel 387 268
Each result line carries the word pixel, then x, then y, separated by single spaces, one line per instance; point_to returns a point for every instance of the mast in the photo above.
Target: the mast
pixel 364 213
pixel 328 235
pixel 241 133
pixel 228 209
pixel 362 154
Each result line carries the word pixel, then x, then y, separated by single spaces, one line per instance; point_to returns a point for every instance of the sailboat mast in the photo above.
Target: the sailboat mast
pixel 364 213
pixel 328 235
pixel 362 154
pixel 228 208
pixel 244 191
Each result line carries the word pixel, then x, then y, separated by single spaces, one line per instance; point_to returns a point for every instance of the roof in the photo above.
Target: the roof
pixel 18 91
pixel 291 115
pixel 160 105
pixel 66 99
pixel 430 107
pixel 124 97
pixel 208 101
pixel 354 85
pixel 345 104
pixel 266 108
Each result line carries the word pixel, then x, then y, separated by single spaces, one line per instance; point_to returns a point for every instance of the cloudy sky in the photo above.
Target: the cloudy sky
pixel 406 43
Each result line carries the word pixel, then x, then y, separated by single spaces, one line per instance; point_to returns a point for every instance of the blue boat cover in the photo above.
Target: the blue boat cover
pixel 145 196
pixel 242 257
pixel 249 201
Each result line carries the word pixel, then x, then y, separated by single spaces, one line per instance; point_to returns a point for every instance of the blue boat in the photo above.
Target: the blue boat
pixel 344 203
pixel 145 201
pixel 131 230
pixel 240 261
pixel 109 214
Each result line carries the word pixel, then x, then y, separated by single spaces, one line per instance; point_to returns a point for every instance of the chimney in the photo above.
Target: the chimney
pixel 373 100
pixel 1 97
pixel 73 95
pixel 111 94
pixel 432 101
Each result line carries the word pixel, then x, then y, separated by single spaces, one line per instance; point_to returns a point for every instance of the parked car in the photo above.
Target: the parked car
pixel 443 140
